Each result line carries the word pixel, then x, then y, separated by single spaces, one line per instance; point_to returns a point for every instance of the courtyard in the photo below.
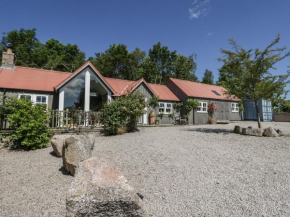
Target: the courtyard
pixel 201 170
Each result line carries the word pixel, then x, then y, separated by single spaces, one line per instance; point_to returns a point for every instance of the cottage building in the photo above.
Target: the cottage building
pixel 87 89
pixel 227 107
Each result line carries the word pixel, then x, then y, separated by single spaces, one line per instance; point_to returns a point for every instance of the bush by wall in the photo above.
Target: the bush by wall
pixel 123 113
pixel 30 123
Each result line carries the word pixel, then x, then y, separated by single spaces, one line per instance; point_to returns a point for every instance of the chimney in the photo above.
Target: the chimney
pixel 8 58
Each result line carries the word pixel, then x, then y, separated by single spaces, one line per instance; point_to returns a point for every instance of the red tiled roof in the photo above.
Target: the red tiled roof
pixel 163 92
pixel 118 85
pixel 200 90
pixel 24 78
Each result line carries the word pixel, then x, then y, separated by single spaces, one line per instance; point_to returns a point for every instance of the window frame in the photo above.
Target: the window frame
pixel 34 97
pixel 200 106
pixel 235 108
pixel 165 107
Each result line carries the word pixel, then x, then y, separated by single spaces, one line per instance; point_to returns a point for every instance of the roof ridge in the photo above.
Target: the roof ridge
pixel 120 79
pixel 42 69
pixel 196 82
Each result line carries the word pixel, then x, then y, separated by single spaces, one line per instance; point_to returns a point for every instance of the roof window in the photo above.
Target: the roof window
pixel 216 93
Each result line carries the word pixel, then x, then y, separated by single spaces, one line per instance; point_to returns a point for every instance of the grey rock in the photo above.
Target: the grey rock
pixel 100 190
pixel 75 150
pixel 57 143
pixel 270 132
pixel 252 132
pixel 238 130
pixel 250 127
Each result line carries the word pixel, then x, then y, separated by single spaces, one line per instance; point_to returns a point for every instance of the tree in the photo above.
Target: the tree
pixel 185 67
pixel 25 46
pixel 247 72
pixel 161 64
pixel 57 56
pixel 113 62
pixel 52 55
pixel 208 77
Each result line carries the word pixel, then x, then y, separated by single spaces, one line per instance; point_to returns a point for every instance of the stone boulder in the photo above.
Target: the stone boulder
pixel 75 150
pixel 270 132
pixel 252 132
pixel 238 130
pixel 57 143
pixel 100 190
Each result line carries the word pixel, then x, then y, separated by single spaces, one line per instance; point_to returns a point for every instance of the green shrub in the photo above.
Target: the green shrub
pixel 123 113
pixel 191 104
pixel 154 101
pixel 177 106
pixel 29 122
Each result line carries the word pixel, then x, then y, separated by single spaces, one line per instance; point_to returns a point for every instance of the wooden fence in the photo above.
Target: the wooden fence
pixel 68 119
pixel 281 117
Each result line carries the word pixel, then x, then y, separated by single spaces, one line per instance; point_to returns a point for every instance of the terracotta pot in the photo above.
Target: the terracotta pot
pixel 152 118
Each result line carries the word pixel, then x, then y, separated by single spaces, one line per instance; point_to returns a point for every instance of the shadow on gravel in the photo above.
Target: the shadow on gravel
pixel 64 172
pixel 53 154
pixel 208 130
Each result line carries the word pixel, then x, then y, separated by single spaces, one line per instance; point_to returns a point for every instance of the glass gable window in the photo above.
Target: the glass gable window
pixel 74 93
pixel 98 94
pixel 202 107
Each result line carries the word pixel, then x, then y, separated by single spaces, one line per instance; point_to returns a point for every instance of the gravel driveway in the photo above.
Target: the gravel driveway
pixel 180 171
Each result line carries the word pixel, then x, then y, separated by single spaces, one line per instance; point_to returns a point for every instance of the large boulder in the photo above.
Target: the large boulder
pixel 252 132
pixel 100 190
pixel 57 143
pixel 270 132
pixel 75 150
pixel 238 130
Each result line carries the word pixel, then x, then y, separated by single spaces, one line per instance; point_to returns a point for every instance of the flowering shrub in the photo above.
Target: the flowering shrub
pixel 211 109
pixel 123 113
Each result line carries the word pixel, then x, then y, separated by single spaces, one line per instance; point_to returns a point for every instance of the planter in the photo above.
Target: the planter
pixel 152 118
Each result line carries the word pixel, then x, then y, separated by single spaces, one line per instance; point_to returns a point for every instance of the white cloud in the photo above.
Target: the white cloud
pixel 209 34
pixel 200 9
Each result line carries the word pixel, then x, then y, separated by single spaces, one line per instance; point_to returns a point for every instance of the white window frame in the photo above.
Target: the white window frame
pixel 165 107
pixel 234 107
pixel 33 98
pixel 201 107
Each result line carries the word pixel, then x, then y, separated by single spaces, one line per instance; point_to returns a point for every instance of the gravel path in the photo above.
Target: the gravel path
pixel 32 184
pixel 204 171
pixel 180 171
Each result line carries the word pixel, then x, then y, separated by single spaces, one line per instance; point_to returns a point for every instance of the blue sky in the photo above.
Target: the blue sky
pixel 199 27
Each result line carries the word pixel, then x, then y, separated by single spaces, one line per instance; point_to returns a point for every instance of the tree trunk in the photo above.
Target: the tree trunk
pixel 258 114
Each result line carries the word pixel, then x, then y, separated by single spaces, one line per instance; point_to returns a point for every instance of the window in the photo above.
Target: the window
pixel 25 96
pixel 41 100
pixel 202 107
pixel 168 108
pixel 35 99
pixel 235 107
pixel 161 107
pixel 165 108
pixel 216 93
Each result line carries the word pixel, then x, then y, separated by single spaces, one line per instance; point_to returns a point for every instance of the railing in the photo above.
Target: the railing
pixel 72 119
pixel 68 119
